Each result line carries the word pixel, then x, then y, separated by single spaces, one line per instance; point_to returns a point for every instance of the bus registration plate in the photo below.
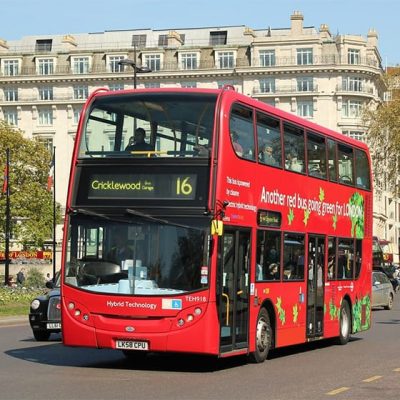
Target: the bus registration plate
pixel 132 345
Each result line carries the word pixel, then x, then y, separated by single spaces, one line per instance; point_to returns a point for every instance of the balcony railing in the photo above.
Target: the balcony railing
pixel 210 64
pixel 285 89
pixel 362 89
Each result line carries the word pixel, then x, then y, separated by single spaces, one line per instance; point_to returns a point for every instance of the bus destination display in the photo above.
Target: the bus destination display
pixel 142 186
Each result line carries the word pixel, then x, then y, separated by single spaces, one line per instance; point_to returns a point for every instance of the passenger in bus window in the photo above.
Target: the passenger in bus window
pixel 267 156
pixel 273 272
pixel 318 169
pixel 292 162
pixel 236 145
pixel 139 142
pixel 201 151
pixel 288 272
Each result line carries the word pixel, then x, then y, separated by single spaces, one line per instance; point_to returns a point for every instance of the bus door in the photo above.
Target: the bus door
pixel 234 267
pixel 315 285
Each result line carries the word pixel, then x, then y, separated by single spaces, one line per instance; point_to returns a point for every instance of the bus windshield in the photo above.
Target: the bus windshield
pixel 145 256
pixel 149 124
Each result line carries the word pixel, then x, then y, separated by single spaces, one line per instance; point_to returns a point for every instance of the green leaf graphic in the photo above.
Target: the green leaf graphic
pixel 306 216
pixel 290 216
pixel 334 223
pixel 321 194
pixel 356 204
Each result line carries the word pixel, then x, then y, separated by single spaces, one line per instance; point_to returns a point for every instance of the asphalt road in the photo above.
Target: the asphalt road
pixel 368 367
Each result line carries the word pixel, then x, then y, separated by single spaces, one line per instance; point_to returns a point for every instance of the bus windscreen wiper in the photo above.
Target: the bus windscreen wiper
pixel 89 213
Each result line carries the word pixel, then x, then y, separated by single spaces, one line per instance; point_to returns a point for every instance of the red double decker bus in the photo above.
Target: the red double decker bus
pixel 204 221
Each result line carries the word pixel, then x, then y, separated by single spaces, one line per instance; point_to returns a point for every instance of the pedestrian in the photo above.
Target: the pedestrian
pixel 21 276
pixel 48 277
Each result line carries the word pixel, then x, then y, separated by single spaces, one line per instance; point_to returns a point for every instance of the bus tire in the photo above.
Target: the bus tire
pixel 263 337
pixel 344 323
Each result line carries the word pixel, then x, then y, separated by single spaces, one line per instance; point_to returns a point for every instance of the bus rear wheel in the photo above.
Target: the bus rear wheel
pixel 344 323
pixel 263 337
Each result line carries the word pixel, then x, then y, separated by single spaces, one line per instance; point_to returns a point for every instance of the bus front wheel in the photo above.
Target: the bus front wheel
pixel 263 337
pixel 344 323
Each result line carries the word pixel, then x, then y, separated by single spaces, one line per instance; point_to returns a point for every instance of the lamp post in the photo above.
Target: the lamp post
pixel 136 68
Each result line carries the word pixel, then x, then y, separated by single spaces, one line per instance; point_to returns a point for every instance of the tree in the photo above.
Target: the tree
pixel 384 136
pixel 31 204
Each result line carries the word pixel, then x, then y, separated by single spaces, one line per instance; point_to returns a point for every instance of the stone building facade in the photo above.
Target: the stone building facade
pixel 44 80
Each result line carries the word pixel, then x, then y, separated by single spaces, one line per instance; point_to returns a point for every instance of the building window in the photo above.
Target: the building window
pixel 152 85
pixel 11 67
pixel 305 109
pixel 304 56
pixel 358 135
pixel 267 85
pixel 11 117
pixel 45 116
pixel 113 64
pixel 218 38
pixel 81 92
pixel 305 84
pixel 116 86
pixel 225 59
pixel 189 60
pixel 162 40
pixel 267 58
pixel 46 142
pixel 352 84
pixel 11 94
pixel 46 93
pixel 353 56
pixel 77 114
pixel 45 66
pixel 139 41
pixel 153 61
pixel 351 108
pixel 43 45
pixel 190 85
pixel 221 84
pixel 80 65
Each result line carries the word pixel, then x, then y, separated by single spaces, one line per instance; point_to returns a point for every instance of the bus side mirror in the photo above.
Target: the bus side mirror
pixel 217 227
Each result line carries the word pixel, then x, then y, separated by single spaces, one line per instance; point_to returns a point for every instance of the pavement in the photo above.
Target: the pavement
pixel 14 320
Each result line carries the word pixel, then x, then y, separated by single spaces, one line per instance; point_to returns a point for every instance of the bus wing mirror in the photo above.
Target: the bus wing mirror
pixel 217 227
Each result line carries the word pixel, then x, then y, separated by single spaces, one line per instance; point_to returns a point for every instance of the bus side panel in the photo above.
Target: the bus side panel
pixel 289 310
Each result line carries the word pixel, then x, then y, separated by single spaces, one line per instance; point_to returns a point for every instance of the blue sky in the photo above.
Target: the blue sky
pixel 41 17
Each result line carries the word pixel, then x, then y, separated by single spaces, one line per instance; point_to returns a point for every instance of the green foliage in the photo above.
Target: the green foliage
pixel 31 205
pixel 384 136
pixel 35 278
pixel 16 300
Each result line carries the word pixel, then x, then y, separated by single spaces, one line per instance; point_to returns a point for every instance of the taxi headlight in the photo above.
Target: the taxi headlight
pixel 35 304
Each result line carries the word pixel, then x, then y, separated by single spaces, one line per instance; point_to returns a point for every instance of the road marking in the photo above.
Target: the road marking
pixel 337 391
pixel 373 378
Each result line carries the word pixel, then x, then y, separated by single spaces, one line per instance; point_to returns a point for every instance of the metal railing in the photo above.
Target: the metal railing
pixel 206 64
